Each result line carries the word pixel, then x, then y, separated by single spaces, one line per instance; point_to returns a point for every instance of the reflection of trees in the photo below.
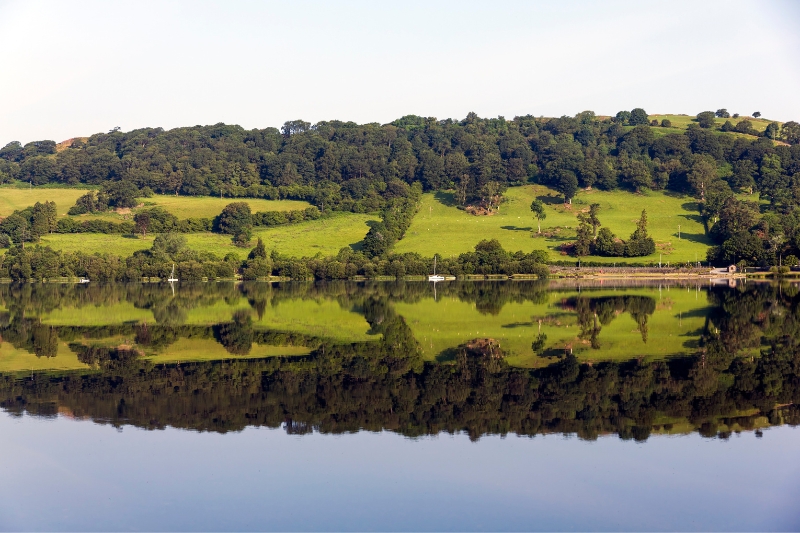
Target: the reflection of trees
pixel 45 340
pixel 593 313
pixel 385 385
pixel 236 336
pixel 749 363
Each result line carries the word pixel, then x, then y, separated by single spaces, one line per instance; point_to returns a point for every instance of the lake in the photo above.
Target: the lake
pixel 530 405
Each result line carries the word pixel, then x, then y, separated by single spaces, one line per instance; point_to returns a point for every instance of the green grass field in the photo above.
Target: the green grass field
pixel 441 228
pixel 326 236
pixel 672 329
pixel 13 199
pixel 209 206
pixel 681 122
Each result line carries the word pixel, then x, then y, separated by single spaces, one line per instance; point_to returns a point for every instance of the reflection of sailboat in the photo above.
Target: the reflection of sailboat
pixel 83 280
pixel 434 277
pixel 172 274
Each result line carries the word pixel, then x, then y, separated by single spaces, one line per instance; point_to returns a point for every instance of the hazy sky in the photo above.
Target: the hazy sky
pixel 79 67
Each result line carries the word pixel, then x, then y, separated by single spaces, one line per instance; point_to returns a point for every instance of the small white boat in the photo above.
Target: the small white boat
pixel 434 277
pixel 83 280
pixel 172 274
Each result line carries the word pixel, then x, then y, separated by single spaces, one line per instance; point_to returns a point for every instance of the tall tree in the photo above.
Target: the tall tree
pixel 537 206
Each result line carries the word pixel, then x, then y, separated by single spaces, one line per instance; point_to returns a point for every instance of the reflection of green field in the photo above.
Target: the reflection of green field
pixel 91 315
pixel 326 236
pixel 15 360
pixel 439 228
pixel 185 350
pixel 319 318
pixel 447 323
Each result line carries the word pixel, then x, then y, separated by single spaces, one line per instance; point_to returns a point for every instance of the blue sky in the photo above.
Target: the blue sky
pixel 77 68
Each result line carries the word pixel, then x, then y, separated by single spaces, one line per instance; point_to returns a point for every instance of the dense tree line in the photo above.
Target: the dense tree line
pixel 749 361
pixel 347 166
pixel 43 263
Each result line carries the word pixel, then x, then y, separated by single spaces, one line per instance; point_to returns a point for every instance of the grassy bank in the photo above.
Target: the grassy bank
pixel 439 227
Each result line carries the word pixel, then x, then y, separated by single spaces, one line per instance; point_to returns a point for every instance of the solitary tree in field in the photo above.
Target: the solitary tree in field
pixel 142 221
pixel 757 114
pixel 594 209
pixel 537 206
pixel 723 113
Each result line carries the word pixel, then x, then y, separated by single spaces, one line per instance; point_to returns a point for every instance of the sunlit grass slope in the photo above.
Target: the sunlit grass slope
pixel 13 199
pixel 441 228
pixel 209 206
pixel 326 236
pixel 682 122
pixel 673 328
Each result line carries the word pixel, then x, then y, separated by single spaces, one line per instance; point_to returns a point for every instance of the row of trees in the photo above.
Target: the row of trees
pixel 489 257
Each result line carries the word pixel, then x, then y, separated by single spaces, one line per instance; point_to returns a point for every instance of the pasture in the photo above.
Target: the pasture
pixel 210 206
pixel 682 122
pixel 439 227
pixel 13 199
pixel 326 236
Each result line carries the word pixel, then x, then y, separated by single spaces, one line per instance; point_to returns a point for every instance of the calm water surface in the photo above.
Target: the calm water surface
pixel 482 406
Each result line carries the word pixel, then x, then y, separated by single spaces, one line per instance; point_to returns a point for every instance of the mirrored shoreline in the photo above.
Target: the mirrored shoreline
pixel 631 359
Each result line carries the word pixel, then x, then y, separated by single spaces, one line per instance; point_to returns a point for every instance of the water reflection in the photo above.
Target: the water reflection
pixel 483 358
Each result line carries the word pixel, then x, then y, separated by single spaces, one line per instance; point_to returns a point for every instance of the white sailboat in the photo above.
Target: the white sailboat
pixel 434 277
pixel 83 280
pixel 172 274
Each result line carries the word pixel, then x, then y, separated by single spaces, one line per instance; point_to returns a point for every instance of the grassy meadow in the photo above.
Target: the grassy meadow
pixel 326 236
pixel 13 199
pixel 209 206
pixel 439 227
pixel 681 122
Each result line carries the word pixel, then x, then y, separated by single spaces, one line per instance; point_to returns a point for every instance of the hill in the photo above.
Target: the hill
pixel 439 227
